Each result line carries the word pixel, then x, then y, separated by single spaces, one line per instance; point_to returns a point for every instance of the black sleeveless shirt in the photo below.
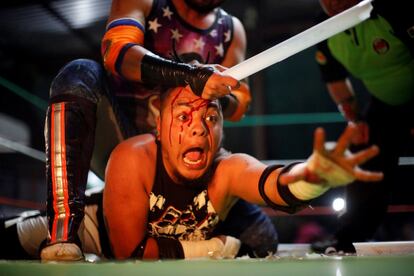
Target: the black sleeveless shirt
pixel 181 211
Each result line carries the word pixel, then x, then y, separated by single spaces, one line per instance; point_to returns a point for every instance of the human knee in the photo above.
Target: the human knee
pixel 80 78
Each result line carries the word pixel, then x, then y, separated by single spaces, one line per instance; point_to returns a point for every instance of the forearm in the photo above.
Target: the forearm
pixel 238 103
pixel 217 248
pixel 130 67
pixel 124 55
pixel 170 248
pixel 278 196
pixel 305 190
pixel 156 70
pixel 293 197
pixel 320 174
pixel 343 95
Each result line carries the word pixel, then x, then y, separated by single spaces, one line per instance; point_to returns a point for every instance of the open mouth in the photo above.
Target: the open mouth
pixel 193 156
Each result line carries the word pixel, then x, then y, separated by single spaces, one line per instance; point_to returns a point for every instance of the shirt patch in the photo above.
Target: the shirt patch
pixel 321 58
pixel 381 46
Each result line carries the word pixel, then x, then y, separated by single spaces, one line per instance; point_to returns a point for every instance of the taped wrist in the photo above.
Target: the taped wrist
pixel 156 70
pixel 286 194
pixel 328 170
pixel 306 191
pixel 212 248
pixel 294 204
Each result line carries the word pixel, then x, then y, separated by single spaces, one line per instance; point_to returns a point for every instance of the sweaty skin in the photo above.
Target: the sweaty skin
pixel 190 131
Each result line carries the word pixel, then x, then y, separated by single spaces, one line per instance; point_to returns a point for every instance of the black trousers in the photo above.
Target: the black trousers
pixel 390 129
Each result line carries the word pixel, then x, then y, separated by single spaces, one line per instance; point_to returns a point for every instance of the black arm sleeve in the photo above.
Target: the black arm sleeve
pixel 294 204
pixel 330 68
pixel 159 71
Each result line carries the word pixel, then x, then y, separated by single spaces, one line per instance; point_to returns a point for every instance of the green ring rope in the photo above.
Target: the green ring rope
pixel 287 119
pixel 247 121
pixel 31 98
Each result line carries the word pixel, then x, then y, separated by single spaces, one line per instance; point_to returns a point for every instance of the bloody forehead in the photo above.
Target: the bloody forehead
pixel 183 97
pixel 195 102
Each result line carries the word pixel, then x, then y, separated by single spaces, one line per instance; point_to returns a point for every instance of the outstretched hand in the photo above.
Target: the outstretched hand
pixel 336 167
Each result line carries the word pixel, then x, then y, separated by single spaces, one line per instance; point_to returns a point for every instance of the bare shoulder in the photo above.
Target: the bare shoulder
pixel 237 50
pixel 239 31
pixel 238 25
pixel 131 165
pixel 136 149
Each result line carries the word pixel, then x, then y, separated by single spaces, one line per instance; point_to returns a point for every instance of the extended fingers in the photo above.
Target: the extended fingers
pixel 345 139
pixel 219 85
pixel 364 155
pixel 319 140
pixel 368 176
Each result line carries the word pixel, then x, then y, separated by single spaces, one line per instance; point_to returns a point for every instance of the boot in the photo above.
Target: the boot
pixel 69 135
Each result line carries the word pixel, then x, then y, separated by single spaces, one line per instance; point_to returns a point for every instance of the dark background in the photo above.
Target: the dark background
pixel 39 37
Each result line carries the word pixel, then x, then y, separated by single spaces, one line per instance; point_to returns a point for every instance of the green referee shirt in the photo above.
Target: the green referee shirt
pixel 371 53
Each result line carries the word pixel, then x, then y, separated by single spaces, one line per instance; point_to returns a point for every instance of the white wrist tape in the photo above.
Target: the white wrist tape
pixel 231 248
pixel 305 191
pixel 328 170
pixel 212 248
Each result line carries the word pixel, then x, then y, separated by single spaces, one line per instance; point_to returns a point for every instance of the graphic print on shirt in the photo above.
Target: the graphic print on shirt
pixel 195 222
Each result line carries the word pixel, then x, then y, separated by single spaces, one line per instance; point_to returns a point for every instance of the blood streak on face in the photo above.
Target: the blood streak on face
pixel 181 131
pixel 201 103
pixel 190 133
pixel 172 115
